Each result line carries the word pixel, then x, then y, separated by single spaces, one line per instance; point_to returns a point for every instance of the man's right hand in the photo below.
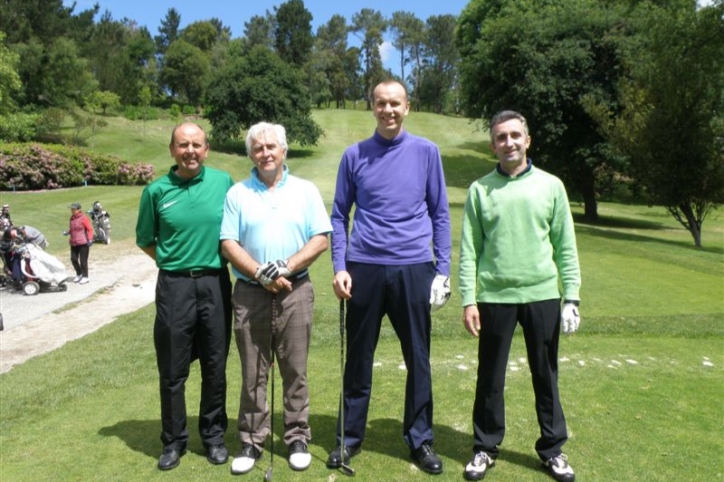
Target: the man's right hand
pixel 342 285
pixel 471 319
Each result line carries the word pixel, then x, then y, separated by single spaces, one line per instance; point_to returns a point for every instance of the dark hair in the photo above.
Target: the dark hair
pixel 505 116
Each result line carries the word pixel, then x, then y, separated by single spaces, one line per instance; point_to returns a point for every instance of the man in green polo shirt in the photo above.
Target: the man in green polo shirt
pixel 179 220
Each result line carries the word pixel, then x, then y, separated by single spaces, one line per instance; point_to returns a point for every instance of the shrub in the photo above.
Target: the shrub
pixel 18 127
pixel 33 166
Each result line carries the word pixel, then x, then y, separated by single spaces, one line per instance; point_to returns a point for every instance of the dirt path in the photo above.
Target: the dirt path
pixel 122 280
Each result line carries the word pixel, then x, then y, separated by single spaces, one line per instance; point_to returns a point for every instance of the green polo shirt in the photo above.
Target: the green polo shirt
pixel 182 218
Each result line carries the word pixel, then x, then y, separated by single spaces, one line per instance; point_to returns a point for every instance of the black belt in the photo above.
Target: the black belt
pixel 293 278
pixel 193 273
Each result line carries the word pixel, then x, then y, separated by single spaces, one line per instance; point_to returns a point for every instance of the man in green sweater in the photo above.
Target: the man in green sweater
pixel 517 253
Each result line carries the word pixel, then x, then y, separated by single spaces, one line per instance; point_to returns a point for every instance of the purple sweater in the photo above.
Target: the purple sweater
pixel 398 190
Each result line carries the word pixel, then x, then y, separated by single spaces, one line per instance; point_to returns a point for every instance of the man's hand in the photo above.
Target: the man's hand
pixel 471 319
pixel 570 319
pixel 440 292
pixel 342 285
pixel 272 270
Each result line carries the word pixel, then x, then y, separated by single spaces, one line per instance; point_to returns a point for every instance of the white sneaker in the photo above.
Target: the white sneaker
pixel 478 466
pixel 299 456
pixel 559 469
pixel 83 280
pixel 246 459
pixel 77 278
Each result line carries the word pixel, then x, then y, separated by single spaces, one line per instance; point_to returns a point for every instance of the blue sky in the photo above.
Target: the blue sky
pixel 234 14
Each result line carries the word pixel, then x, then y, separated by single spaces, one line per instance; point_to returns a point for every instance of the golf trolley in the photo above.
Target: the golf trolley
pixel 41 272
pixel 101 221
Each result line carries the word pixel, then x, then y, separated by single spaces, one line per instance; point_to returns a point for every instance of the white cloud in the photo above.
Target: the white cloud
pixel 387 50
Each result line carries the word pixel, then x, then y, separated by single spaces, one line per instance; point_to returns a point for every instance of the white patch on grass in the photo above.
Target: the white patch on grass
pixel 377 364
pixel 522 361
pixel 632 362
pixel 514 368
pixel 462 367
pixel 402 366
pixel 565 359
pixel 707 363
pixel 616 362
pixel 581 363
pixel 459 357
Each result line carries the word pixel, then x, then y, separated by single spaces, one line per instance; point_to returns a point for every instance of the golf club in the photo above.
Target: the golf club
pixel 346 469
pixel 269 472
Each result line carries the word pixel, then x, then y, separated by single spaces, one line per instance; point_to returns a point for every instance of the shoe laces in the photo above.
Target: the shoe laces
pixel 481 458
pixel 297 446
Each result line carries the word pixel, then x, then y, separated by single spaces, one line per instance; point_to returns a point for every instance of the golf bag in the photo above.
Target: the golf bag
pixel 40 272
pixel 101 221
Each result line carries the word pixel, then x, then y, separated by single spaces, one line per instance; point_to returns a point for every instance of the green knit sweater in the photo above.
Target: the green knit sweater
pixel 518 243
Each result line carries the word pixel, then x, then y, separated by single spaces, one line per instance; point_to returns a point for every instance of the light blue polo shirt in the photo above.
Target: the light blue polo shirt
pixel 272 225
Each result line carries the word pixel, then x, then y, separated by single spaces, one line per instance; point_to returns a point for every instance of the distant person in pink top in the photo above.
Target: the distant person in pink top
pixel 81 237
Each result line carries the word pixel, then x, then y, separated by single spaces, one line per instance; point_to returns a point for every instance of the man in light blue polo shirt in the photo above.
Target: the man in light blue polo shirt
pixel 274 226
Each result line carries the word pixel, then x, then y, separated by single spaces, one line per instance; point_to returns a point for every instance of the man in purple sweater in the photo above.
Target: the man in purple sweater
pixel 385 266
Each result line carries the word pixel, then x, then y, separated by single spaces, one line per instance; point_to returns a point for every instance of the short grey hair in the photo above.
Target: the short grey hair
pixel 258 130
pixel 505 116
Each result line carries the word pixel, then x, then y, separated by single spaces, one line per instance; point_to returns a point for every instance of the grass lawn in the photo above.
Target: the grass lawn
pixel 642 382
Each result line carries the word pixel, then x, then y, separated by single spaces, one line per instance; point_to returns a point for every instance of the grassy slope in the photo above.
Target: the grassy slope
pixel 642 402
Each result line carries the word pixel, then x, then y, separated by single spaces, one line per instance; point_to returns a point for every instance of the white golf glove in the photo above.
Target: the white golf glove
pixel 270 271
pixel 570 319
pixel 440 292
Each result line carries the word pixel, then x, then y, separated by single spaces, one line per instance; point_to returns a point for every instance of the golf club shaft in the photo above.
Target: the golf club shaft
pixel 269 472
pixel 346 469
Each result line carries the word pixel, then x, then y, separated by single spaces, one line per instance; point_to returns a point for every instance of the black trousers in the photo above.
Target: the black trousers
pixel 403 294
pixel 541 326
pixel 79 259
pixel 193 319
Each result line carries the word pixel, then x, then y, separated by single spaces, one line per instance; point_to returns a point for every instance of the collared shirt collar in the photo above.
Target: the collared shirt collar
pixel 259 182
pixel 527 169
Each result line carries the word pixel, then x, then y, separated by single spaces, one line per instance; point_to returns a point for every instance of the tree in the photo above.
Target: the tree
pixel 9 79
pixel 369 25
pixel 439 76
pixel 185 71
pixel 103 99
pixel 408 33
pixel 542 60
pixel 168 32
pixel 260 31
pixel 203 34
pixel 293 37
pixel 258 87
pixel 331 46
pixel 671 121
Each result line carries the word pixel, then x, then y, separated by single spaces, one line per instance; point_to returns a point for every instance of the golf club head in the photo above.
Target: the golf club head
pixel 347 470
pixel 268 475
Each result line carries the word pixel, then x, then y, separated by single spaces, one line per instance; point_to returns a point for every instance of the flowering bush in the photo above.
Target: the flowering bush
pixel 32 166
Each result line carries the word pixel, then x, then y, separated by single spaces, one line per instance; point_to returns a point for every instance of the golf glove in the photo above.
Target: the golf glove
pixel 272 270
pixel 570 319
pixel 440 292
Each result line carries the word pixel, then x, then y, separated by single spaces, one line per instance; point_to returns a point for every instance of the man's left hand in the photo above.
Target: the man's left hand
pixel 440 292
pixel 274 269
pixel 570 319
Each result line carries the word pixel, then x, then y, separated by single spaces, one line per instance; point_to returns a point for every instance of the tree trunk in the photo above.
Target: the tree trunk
pixel 691 223
pixel 588 191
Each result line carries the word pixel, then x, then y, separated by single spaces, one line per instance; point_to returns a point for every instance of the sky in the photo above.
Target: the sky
pixel 149 13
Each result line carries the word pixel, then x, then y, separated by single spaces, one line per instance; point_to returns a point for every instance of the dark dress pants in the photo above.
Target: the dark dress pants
pixel 79 259
pixel 541 325
pixel 193 319
pixel 403 294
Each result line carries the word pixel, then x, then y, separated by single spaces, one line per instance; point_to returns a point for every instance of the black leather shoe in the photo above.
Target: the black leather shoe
pixel 426 458
pixel 334 461
pixel 217 454
pixel 170 459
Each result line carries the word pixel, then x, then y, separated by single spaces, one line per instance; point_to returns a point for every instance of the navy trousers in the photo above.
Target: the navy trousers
pixel 403 294
pixel 541 326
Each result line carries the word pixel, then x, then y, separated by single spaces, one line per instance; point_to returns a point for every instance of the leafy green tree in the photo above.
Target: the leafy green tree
pixel 542 59
pixel 408 36
pixel 439 76
pixel 185 71
pixel 45 20
pixel 369 25
pixel 260 31
pixel 103 99
pixel 671 121
pixel 10 83
pixel 258 87
pixel 168 31
pixel 354 74
pixel 203 35
pixel 331 47
pixel 293 37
